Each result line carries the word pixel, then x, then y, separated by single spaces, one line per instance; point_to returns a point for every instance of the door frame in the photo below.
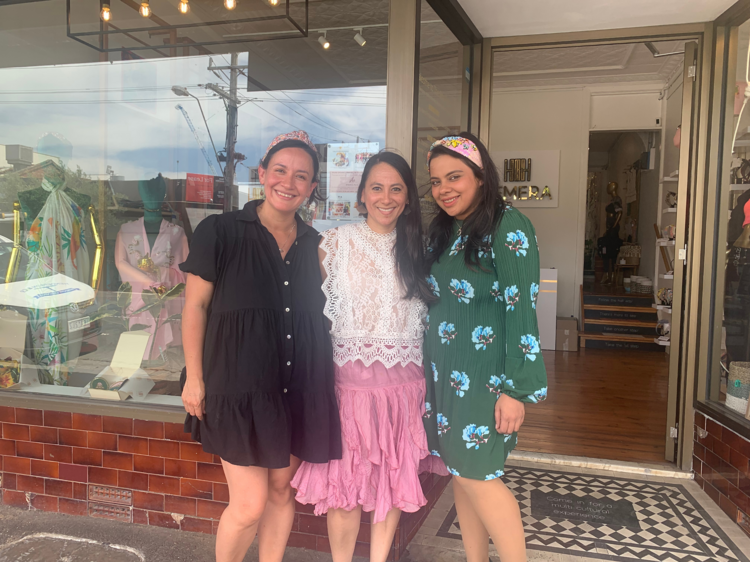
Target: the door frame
pixel 693 158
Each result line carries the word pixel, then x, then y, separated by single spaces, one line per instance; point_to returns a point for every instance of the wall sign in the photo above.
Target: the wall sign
pixel 529 178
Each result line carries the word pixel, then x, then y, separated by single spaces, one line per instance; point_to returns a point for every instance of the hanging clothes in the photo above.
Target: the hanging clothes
pixel 57 244
pixel 145 267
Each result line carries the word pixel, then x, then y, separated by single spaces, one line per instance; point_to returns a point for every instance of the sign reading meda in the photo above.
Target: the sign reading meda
pixel 529 178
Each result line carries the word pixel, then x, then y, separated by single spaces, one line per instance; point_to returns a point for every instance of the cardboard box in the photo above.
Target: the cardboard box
pixel 567 334
pixel 125 366
pixel 12 344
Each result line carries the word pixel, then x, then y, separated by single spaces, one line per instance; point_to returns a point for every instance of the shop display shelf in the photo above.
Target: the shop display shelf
pixel 664 242
pixel 662 307
pixel 665 343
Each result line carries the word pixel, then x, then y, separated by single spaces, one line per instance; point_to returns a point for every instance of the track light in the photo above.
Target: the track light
pixel 324 41
pixel 184 6
pixel 359 39
pixel 230 4
pixel 145 9
pixel 105 14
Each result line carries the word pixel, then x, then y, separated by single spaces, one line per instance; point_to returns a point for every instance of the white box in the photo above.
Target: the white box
pixel 12 344
pixel 126 364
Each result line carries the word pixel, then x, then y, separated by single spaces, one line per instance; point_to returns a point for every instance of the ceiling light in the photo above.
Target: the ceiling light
pixel 230 4
pixel 184 6
pixel 145 10
pixel 324 41
pixel 105 14
pixel 359 39
pixel 273 2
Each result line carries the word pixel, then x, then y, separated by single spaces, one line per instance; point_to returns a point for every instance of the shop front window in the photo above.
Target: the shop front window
pixel 113 148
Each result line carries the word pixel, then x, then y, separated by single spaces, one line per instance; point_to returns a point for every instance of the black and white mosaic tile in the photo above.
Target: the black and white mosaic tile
pixel 628 519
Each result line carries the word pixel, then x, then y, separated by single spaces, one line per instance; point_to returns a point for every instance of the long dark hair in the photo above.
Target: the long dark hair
pixel 293 143
pixel 483 220
pixel 409 245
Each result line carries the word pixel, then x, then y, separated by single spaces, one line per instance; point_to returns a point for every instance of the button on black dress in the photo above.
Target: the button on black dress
pixel 267 358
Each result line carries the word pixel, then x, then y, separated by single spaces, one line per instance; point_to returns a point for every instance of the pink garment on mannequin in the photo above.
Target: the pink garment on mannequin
pixel 170 249
pixel 746 208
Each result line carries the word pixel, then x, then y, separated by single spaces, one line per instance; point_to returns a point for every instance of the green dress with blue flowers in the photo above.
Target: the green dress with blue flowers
pixel 482 341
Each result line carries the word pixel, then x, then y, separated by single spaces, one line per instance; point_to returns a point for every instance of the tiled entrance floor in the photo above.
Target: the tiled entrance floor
pixel 581 515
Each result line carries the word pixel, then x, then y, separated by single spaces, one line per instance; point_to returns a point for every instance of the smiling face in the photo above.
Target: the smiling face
pixel 455 188
pixel 288 180
pixel 385 197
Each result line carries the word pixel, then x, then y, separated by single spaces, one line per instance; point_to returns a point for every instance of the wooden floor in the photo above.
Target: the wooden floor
pixel 601 404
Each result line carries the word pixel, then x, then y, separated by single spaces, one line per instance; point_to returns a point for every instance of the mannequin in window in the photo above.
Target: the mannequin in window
pixel 609 244
pixel 147 254
pixel 32 200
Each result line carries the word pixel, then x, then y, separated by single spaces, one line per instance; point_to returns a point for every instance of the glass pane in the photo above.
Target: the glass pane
pixel 112 159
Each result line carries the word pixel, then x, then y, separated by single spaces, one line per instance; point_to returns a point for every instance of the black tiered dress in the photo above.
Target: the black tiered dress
pixel 267 358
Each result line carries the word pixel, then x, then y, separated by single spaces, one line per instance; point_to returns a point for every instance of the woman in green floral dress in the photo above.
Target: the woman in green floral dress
pixel 482 354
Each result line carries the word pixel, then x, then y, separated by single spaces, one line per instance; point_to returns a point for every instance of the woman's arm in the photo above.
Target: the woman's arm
pixel 198 294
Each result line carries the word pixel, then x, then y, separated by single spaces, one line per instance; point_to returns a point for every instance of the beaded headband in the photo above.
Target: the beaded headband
pixel 301 136
pixel 461 146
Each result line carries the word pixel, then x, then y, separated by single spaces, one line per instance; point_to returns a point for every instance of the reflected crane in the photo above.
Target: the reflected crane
pixel 197 138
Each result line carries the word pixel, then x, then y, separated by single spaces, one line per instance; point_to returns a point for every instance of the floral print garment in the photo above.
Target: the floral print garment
pixel 483 342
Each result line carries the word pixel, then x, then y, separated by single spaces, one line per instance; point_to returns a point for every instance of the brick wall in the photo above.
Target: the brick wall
pixel 143 472
pixel 721 461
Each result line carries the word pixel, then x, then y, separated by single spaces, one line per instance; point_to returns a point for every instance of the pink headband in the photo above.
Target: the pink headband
pixel 460 145
pixel 301 136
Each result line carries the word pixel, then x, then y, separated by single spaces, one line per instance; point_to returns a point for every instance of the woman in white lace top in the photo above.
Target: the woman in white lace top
pixel 375 287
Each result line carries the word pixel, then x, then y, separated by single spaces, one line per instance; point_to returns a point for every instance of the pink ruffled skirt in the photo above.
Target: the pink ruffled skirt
pixel 383 443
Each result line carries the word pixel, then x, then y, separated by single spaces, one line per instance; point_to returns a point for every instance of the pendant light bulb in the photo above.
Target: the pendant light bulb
pixel 323 41
pixel 359 39
pixel 184 6
pixel 105 14
pixel 145 9
pixel 273 2
pixel 230 4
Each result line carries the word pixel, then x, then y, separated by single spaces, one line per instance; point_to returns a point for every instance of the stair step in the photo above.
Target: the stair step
pixel 619 342
pixel 619 327
pixel 592 312
pixel 626 300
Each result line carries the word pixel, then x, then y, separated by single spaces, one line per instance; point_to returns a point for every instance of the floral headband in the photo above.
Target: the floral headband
pixel 460 145
pixel 301 136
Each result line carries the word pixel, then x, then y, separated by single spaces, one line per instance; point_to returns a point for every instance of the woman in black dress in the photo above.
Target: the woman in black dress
pixel 259 362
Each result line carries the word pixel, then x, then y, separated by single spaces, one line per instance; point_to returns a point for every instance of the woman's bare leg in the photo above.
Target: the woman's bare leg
pixel 248 490
pixel 498 510
pixel 381 535
pixel 276 524
pixel 475 537
pixel 343 528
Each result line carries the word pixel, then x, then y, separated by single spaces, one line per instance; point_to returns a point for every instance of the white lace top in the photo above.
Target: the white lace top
pixel 371 321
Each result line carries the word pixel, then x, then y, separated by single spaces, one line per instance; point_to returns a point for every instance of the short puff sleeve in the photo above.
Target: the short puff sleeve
pixel 204 258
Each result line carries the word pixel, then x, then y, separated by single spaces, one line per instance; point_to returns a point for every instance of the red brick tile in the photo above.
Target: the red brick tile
pixel 738 498
pixel 313 525
pixel 144 500
pixel 215 525
pixel 7 447
pixel 30 484
pixel 87 422
pixel 74 438
pixel 221 492
pixel 714 428
pixel 137 445
pixel 727 506
pixel 44 503
pixel 30 449
pixel 15 432
pixel 700 420
pixel 104 441
pixel 9 481
pixel 723 450
pixel 176 432
pixel 152 465
pixel 210 510
pixel 89 457
pixel 58 453
pixel 16 499
pixel 72 507
pixel 140 517
pixel 197 525
pixel 163 484
pixel 29 417
pixel 132 480
pixel 217 459
pixel 196 489
pixel 303 508
pixel 322 544
pixel 177 504
pixel 44 434
pixel 194 452
pixel 58 488
pixel 299 540
pixel 182 469
pixel 17 465
pixel 58 419
pixel 713 493
pixel 697 466
pixel 699 451
pixel 7 414
pixel 151 429
pixel 105 476
pixel 120 461
pixel 162 520
pixel 744 484
pixel 46 469
pixel 713 460
pixel 165 449
pixel 74 472
pixel 738 461
pixel 211 472
pixel 739 444
pixel 707 441
pixel 80 491
pixel 123 426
